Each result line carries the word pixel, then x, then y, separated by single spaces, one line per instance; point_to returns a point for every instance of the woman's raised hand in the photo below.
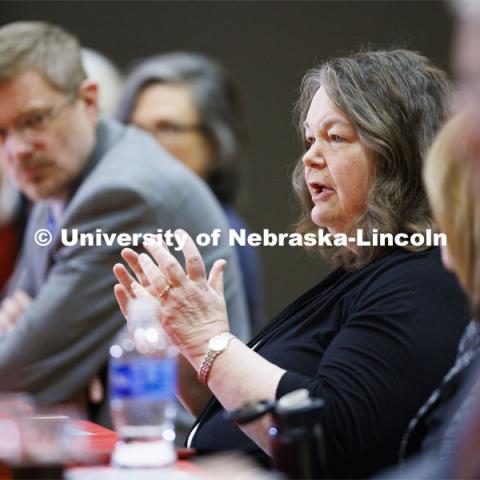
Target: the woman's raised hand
pixel 192 306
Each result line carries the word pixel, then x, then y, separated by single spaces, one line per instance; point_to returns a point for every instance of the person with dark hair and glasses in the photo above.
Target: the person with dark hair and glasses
pixel 192 107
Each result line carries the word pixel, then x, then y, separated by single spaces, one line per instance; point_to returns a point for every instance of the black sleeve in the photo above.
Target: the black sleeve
pixel 393 348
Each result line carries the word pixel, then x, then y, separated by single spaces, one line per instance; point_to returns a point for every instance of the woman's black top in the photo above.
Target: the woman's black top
pixel 372 343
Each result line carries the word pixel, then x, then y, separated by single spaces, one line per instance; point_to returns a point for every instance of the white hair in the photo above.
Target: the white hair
pixel 109 78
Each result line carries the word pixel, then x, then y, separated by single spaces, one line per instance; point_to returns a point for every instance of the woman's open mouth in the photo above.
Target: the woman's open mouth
pixel 319 191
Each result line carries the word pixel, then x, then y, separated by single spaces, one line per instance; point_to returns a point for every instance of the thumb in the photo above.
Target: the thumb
pixel 215 279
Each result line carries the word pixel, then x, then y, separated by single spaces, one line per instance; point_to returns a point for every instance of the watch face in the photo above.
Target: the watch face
pixel 218 343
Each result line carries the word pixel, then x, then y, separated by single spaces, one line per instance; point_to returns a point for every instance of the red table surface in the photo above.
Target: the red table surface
pixel 102 441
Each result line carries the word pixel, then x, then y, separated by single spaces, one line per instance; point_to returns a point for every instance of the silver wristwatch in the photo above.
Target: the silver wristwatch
pixel 216 346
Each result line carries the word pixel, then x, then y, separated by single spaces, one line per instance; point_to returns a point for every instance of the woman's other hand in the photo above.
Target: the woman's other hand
pixel 123 290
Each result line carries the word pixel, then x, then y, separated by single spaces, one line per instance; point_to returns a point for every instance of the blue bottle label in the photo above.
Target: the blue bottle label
pixel 151 378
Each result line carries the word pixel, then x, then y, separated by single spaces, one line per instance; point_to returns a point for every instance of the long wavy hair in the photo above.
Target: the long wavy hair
pixel 396 100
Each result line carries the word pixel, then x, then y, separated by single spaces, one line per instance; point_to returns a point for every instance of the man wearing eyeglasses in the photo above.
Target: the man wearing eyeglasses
pixel 60 314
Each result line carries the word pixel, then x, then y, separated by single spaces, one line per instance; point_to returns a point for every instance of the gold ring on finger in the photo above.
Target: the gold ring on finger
pixel 165 290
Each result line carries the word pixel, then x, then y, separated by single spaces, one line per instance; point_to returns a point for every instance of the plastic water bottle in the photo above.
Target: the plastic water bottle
pixel 143 378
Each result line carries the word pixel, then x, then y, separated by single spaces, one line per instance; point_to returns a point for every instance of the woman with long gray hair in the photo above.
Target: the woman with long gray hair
pixel 374 337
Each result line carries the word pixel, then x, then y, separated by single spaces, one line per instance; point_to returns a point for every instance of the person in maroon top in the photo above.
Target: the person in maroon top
pixel 13 214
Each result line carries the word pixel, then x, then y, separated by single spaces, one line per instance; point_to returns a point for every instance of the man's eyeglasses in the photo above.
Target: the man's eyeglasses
pixel 31 124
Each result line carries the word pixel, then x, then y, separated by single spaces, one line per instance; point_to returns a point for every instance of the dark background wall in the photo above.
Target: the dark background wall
pixel 267 46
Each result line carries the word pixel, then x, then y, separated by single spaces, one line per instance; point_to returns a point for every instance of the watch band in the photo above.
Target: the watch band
pixel 212 354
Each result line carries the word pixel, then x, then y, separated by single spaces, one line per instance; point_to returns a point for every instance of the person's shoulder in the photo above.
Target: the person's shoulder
pixel 133 153
pixel 410 281
pixel 418 271
pixel 132 171
pixel 412 264
pixel 134 161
